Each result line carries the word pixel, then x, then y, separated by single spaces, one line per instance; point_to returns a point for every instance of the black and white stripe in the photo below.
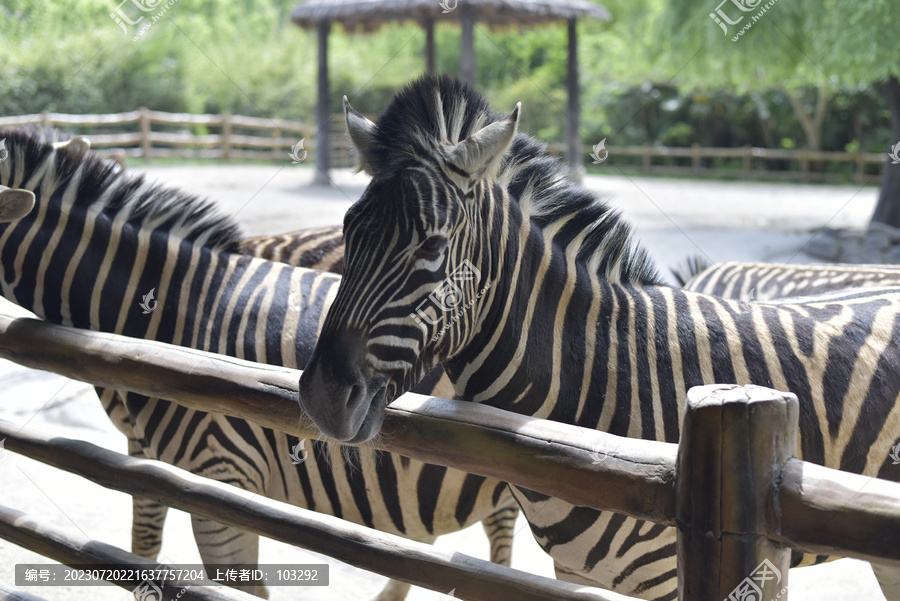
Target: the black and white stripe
pixel 767 281
pixel 574 325
pixel 98 240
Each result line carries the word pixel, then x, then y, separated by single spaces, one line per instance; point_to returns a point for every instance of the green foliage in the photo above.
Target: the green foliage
pixel 661 72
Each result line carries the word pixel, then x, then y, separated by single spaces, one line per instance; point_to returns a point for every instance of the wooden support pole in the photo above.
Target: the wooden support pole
pixel 734 445
pixel 575 152
pixel 393 556
pixel 226 136
pixel 323 113
pixel 429 45
pixel 146 142
pixel 467 51
pixel 70 549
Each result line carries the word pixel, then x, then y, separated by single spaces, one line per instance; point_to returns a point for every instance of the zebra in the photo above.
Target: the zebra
pixel 86 244
pixel 768 281
pixel 470 248
pixel 314 248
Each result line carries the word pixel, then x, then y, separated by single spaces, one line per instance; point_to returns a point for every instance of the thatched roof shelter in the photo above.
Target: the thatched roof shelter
pixel 369 15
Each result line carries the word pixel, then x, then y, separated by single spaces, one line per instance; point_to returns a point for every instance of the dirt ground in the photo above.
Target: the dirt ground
pixel 674 218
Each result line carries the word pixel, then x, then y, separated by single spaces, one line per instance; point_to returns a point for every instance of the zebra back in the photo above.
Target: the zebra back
pixel 319 248
pixel 768 281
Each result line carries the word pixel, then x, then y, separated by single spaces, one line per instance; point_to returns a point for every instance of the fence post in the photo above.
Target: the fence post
pixel 226 136
pixel 46 121
pixel 748 161
pixel 734 444
pixel 146 142
pixel 695 157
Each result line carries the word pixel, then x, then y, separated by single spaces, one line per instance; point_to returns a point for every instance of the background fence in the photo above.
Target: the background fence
pixel 732 487
pixel 225 136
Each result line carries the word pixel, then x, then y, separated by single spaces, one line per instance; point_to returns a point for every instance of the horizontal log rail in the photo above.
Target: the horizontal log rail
pixel 71 549
pixel 227 144
pixel 867 165
pixel 546 456
pixel 822 511
pixel 9 593
pixel 393 556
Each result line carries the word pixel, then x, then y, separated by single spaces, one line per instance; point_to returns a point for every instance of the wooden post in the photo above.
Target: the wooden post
pixel 734 445
pixel 860 165
pixel 467 55
pixel 323 114
pixel 276 147
pixel 748 161
pixel 146 142
pixel 695 157
pixel 226 136
pixel 46 121
pixel 575 149
pixel 429 45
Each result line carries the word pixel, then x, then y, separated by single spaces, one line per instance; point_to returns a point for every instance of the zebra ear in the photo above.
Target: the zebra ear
pixel 361 131
pixel 15 204
pixel 480 153
pixel 76 147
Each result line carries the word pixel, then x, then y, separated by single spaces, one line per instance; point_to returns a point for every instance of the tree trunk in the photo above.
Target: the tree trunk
pixel 888 208
pixel 811 124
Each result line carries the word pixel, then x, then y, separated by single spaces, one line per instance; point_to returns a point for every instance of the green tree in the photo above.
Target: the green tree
pixel 811 49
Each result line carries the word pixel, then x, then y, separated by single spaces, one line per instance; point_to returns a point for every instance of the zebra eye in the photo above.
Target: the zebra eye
pixel 433 245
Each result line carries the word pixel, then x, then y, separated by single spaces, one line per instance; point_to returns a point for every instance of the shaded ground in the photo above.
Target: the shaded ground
pixel 673 218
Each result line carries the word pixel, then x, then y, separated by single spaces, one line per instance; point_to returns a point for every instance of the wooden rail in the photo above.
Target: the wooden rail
pixel 820 510
pixel 755 162
pixel 230 142
pixel 71 549
pixel 390 555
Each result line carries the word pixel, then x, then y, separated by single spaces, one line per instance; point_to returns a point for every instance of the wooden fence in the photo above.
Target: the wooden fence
pixel 732 487
pixel 241 137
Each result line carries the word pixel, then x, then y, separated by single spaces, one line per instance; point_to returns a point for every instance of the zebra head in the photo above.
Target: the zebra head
pixel 418 268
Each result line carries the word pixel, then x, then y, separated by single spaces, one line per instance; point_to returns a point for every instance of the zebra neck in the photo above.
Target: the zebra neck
pixel 559 342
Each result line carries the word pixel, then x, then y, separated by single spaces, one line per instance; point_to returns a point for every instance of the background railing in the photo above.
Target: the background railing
pixel 239 137
pixel 732 487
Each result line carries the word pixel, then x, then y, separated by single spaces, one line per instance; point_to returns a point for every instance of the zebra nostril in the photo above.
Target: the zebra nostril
pixel 356 391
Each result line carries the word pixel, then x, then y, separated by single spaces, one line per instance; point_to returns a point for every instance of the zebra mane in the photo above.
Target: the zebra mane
pixel 436 109
pixel 145 205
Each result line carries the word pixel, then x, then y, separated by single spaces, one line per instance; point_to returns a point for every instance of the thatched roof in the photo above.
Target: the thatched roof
pixel 370 14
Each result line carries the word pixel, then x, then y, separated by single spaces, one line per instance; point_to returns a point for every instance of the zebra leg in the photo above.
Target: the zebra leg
pixel 395 590
pixel 500 527
pixel 889 580
pixel 148 516
pixel 221 544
